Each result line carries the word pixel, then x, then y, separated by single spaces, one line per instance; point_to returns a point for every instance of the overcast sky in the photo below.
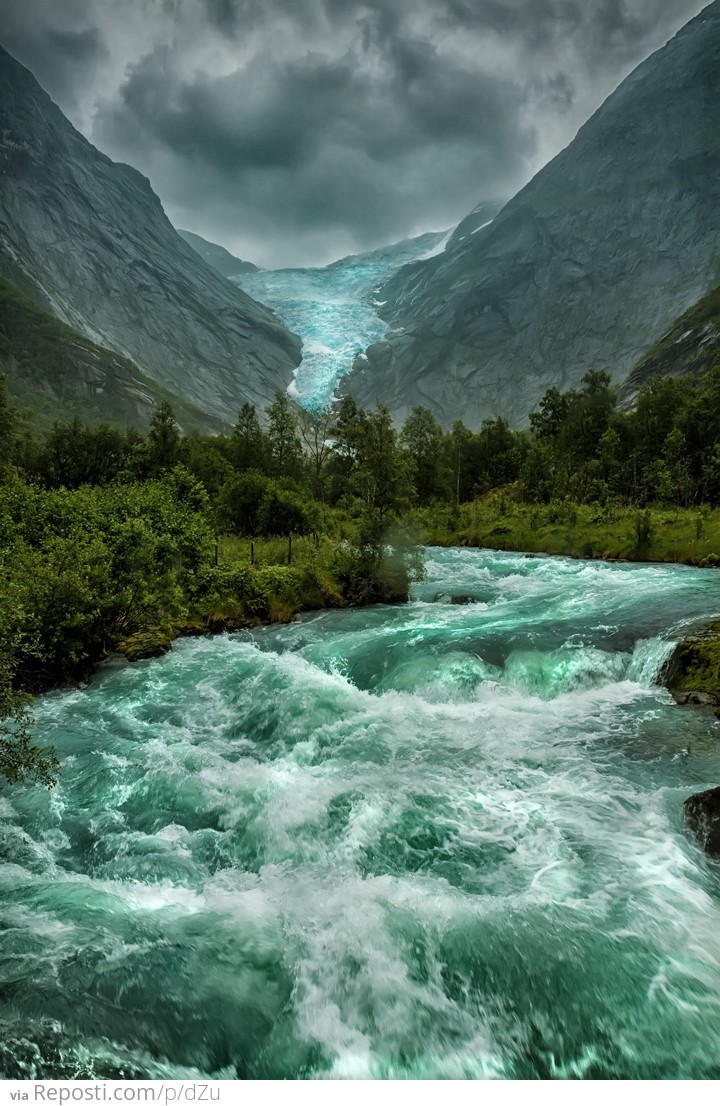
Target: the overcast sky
pixel 296 131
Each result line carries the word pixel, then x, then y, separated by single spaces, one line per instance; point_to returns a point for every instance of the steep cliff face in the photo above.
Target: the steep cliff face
pixel 217 256
pixel 585 268
pixel 61 374
pixel 92 237
pixel 690 348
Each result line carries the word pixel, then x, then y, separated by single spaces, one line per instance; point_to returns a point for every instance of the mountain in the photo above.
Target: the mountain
pixel 585 268
pixel 60 374
pixel 690 347
pixel 217 256
pixel 92 238
pixel 335 309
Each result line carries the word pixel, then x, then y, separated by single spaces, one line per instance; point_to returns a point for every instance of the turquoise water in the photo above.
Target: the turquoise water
pixel 431 840
pixel 334 310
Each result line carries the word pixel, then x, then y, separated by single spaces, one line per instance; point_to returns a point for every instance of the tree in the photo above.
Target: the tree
pixel 240 500
pixel 381 476
pixel 459 445
pixel 8 425
pixel 75 454
pixel 284 445
pixel 422 439
pixel 316 429
pixel 163 439
pixel 248 444
pixel 553 410
pixel 283 512
pixel 21 760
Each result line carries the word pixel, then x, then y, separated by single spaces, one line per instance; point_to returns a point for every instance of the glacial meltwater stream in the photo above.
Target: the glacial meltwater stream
pixel 425 841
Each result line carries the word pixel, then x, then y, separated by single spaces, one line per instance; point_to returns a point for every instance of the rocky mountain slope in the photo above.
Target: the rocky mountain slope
pixel 690 347
pixel 217 256
pixel 59 373
pixel 585 268
pixel 91 236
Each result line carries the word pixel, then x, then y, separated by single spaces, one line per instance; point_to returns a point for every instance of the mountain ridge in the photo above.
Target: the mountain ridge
pixel 584 268
pixel 217 256
pixel 93 239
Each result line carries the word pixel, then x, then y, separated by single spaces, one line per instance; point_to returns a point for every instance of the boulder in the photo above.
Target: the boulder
pixel 702 817
pixel 692 673
pixel 696 698
pixel 147 643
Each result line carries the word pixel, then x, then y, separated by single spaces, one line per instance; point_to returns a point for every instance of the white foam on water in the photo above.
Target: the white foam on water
pixel 410 842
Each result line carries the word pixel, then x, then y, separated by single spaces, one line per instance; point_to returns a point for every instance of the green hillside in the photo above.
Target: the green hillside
pixel 60 374
pixel 689 348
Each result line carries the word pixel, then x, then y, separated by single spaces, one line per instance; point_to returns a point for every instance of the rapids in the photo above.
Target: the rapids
pixel 422 841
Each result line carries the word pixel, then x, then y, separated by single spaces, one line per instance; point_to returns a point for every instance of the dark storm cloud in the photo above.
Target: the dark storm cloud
pixel 64 52
pixel 296 130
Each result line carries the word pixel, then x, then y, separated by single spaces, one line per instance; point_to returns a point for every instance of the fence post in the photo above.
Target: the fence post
pixel 252 552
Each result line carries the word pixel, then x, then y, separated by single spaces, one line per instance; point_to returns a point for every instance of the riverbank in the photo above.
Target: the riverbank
pixel 252 585
pixel 666 535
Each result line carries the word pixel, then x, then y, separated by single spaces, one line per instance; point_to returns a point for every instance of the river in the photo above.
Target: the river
pixel 433 840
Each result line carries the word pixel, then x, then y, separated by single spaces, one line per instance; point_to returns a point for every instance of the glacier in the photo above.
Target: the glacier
pixel 334 310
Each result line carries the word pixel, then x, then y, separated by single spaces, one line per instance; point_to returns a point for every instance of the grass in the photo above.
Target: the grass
pixel 497 521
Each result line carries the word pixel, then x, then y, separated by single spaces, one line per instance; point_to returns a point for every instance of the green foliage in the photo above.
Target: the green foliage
pixel 284 512
pixel 283 442
pixel 249 448
pixel 422 440
pixel 86 567
pixel 21 760
pixel 239 503
pixel 643 525
pixel 75 454
pixel 163 439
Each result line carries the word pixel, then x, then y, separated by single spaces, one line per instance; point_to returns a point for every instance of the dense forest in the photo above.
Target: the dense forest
pixel 112 539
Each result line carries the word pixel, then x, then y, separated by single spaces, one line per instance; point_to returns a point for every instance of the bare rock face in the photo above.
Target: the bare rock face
pixel 92 237
pixel 217 256
pixel 702 817
pixel 584 269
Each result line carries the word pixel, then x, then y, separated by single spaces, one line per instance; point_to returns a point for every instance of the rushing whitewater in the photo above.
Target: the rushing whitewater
pixel 334 310
pixel 421 841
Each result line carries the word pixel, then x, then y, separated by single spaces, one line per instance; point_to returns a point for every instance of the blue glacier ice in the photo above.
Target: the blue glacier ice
pixel 334 310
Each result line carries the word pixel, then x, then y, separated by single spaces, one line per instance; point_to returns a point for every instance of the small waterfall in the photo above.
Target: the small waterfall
pixel 648 658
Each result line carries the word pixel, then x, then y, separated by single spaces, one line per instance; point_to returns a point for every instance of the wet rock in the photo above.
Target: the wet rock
pixel 147 644
pixel 462 600
pixel 696 698
pixel 702 817
pixel 692 673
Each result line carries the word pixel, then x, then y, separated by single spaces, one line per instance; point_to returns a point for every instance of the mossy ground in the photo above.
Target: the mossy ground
pixel 695 665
